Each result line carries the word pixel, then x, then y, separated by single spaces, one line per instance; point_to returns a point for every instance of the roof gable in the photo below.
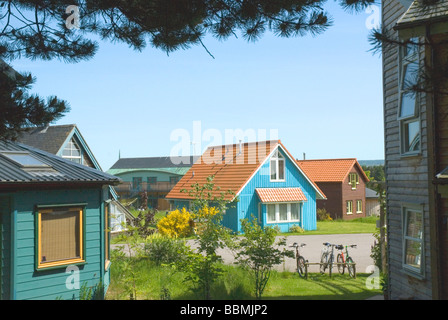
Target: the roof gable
pixel 330 170
pixel 57 170
pixel 53 139
pixel 232 166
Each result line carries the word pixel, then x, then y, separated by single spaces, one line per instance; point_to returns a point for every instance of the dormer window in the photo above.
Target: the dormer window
pixel 72 152
pixel 277 165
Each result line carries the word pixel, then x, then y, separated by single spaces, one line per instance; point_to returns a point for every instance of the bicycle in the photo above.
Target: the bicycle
pixel 346 260
pixel 327 257
pixel 301 267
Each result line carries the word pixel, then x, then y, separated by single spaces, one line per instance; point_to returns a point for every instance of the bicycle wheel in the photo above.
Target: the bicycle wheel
pixel 323 262
pixel 351 268
pixel 341 266
pixel 330 265
pixel 301 266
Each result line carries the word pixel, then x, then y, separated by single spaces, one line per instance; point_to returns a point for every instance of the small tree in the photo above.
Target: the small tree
pixel 258 254
pixel 202 266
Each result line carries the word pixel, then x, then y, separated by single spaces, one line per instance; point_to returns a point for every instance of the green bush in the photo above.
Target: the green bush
pixel 296 229
pixel 163 250
pixel 323 215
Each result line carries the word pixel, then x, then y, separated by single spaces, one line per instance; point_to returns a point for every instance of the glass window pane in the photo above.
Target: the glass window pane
pixel 414 228
pixel 407 108
pixel 413 253
pixel 411 136
pixel 410 75
pixel 271 212
pixel 283 211
pixel 281 169
pixel 273 169
pixel 295 214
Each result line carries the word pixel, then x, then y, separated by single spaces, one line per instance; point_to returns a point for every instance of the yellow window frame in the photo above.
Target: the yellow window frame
pixel 51 264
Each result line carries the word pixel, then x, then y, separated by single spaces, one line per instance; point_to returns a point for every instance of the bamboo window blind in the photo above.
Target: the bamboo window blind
pixel 60 236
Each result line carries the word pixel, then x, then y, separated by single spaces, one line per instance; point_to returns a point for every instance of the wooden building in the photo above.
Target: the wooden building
pixel 154 175
pixel 263 176
pixel 344 183
pixel 54 225
pixel 416 147
pixel 66 141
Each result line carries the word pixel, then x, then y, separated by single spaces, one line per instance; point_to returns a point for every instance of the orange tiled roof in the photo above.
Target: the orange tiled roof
pixel 231 168
pixel 330 170
pixel 280 194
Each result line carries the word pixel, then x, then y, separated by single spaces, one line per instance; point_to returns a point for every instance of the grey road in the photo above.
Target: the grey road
pixel 312 250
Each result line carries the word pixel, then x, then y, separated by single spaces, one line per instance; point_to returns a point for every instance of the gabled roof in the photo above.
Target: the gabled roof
pixel 42 167
pixel 125 164
pixel 421 14
pixel 232 166
pixel 54 138
pixel 330 170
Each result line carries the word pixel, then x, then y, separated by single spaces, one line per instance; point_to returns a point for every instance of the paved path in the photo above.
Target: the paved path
pixel 312 250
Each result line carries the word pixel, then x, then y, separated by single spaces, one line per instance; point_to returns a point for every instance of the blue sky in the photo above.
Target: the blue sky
pixel 322 95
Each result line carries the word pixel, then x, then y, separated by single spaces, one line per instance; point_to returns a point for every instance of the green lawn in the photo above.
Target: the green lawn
pixel 235 284
pixel 360 225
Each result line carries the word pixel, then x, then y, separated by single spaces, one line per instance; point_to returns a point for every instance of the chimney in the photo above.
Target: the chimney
pixel 304 156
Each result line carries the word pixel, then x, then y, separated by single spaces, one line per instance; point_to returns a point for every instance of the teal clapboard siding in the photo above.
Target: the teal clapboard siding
pixel 28 283
pixel 249 201
pixel 5 248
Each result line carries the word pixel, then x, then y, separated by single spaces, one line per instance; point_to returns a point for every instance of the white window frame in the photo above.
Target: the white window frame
pixel 412 270
pixel 288 212
pixel 404 61
pixel 353 180
pixel 358 207
pixel 276 157
pixel 347 206
pixel 73 145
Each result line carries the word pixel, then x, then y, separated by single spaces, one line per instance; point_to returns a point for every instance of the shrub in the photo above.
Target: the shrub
pixel 296 229
pixel 323 215
pixel 163 250
pixel 176 224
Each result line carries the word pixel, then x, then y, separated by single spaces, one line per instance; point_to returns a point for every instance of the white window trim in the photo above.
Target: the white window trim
pixel 416 272
pixel 288 212
pixel 346 206
pixel 357 207
pixel 275 157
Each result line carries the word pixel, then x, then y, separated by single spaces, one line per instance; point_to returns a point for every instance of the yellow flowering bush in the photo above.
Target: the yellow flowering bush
pixel 176 224
pixel 202 216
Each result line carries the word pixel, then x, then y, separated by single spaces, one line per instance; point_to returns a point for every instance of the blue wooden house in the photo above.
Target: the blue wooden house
pixel 54 225
pixel 264 176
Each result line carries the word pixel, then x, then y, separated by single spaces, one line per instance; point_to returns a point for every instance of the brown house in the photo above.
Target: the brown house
pixel 344 183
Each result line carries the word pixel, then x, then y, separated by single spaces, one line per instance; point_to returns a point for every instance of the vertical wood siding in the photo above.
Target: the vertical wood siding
pixel 248 204
pixel 51 284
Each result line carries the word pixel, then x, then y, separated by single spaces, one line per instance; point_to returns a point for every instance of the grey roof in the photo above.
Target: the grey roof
pixel 155 162
pixel 58 170
pixel 49 138
pixel 419 14
pixel 371 193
